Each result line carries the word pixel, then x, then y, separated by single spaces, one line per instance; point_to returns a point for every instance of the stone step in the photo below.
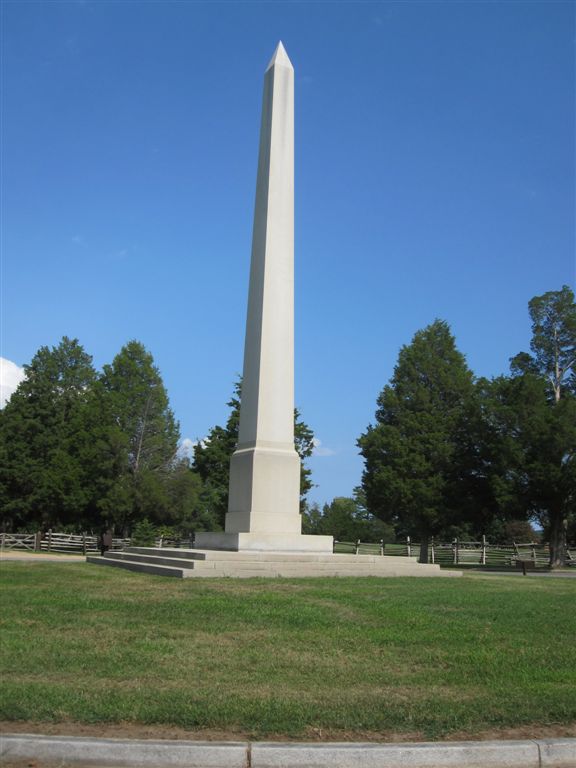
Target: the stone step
pixel 169 562
pixel 216 554
pixel 179 554
pixel 268 562
pixel 255 567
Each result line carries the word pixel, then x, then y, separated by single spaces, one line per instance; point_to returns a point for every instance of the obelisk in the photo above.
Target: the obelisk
pixel 264 510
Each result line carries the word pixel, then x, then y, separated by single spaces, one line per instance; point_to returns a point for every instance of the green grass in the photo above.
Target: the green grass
pixel 286 657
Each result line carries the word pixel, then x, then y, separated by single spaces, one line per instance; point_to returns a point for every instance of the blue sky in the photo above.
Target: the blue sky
pixel 435 177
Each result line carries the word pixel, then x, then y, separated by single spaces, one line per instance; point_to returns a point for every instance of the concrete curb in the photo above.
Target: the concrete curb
pixel 543 753
pixel 125 752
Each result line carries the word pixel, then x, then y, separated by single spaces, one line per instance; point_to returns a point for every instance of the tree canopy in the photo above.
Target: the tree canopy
pixel 553 344
pixel 542 395
pixel 410 477
pixel 85 451
pixel 43 440
pixel 446 455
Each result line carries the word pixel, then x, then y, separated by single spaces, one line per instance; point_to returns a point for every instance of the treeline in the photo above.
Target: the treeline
pixel 450 454
pixel 87 451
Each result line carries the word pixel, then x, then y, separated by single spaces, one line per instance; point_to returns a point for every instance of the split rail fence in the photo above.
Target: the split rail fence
pixel 460 553
pixel 52 541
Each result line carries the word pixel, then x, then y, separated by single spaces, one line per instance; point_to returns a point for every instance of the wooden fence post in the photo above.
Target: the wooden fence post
pixel 432 557
pixel 381 546
pixel 357 547
pixel 84 543
pixel 455 551
pixel 483 556
pixel 49 539
pixel 408 547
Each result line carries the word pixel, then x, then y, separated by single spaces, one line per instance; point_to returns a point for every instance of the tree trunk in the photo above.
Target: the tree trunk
pixel 424 542
pixel 558 526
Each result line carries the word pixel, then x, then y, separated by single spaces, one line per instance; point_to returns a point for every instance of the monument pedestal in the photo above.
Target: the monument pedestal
pixel 264 542
pixel 214 563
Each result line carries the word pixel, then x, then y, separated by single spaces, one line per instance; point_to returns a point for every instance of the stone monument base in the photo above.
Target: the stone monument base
pixel 264 542
pixel 204 563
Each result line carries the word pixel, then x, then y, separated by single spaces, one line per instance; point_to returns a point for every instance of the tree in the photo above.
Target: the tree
pixel 188 513
pixel 43 437
pixel 212 460
pixel 412 477
pixel 138 438
pixel 547 415
pixel 212 457
pixel 346 520
pixel 304 444
pixel 553 342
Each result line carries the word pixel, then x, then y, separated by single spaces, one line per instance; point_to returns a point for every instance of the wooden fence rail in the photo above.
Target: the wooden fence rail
pixel 459 552
pixel 53 541
pixel 455 552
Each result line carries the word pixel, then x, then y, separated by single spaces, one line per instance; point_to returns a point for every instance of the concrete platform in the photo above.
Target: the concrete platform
pixel 199 563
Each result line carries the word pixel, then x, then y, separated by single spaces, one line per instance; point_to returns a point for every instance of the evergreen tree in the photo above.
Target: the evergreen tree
pixel 188 511
pixel 44 480
pixel 137 440
pixel 535 474
pixel 412 477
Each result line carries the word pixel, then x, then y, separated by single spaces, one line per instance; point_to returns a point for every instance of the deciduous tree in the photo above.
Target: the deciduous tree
pixel 547 415
pixel 347 520
pixel 553 342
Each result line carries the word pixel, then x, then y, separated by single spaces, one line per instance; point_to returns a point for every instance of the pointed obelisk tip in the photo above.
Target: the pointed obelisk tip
pixel 280 57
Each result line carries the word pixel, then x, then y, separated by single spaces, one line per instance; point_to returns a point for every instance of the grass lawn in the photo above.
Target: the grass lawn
pixel 423 658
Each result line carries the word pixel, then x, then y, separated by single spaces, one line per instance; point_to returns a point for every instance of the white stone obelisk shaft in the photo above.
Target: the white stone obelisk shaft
pixel 264 498
pixel 267 413
pixel 265 468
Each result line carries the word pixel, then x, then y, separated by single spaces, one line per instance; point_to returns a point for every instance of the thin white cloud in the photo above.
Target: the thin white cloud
pixel 321 450
pixel 186 448
pixel 10 376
